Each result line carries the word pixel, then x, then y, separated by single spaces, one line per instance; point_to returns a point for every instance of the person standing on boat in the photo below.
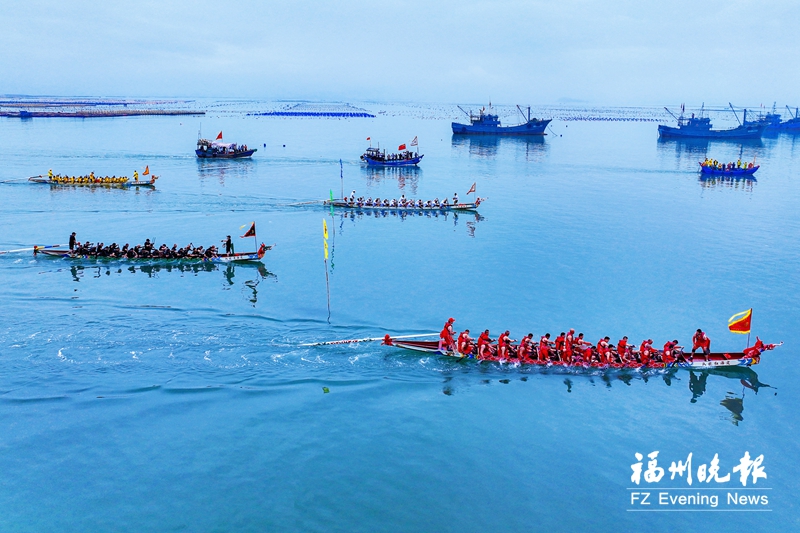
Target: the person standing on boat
pixel 446 336
pixel 72 242
pixel 136 175
pixel 455 198
pixel 569 340
pixel 700 340
pixel 228 246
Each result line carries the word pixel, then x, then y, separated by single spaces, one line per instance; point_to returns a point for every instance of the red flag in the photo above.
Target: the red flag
pixel 368 138
pixel 472 189
pixel 740 322
pixel 414 142
pixel 146 170
pixel 219 137
pixel 401 147
pixel 251 232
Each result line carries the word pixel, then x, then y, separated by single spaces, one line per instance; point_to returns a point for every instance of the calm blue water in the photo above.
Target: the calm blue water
pixel 157 398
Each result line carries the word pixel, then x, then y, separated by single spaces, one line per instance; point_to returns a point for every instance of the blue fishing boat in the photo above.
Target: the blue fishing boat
pixel 376 157
pixel 217 149
pixel 776 121
pixel 486 122
pixel 700 127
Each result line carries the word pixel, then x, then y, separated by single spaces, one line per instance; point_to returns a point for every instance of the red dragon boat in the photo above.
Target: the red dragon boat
pixel 748 357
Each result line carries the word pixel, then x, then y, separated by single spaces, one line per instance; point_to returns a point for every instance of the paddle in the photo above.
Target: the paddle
pixel 368 339
pixel 30 249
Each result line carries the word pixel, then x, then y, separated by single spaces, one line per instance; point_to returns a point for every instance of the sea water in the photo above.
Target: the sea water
pixel 157 397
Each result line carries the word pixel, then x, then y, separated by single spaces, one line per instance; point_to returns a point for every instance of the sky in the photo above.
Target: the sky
pixel 614 52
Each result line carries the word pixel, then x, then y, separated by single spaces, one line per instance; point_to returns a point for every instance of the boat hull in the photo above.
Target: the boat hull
pixel 238 155
pixel 715 360
pixel 536 127
pixel 749 131
pixel 401 163
pixel 456 207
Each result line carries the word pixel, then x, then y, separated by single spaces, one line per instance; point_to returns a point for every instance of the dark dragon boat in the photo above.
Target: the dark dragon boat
pixel 346 204
pixel 486 122
pixel 220 258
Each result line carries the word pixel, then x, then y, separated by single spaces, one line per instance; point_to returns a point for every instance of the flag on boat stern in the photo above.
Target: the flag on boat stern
pixel 472 189
pixel 740 322
pixel 219 137
pixel 146 170
pixel 401 147
pixel 251 232
pixel 414 142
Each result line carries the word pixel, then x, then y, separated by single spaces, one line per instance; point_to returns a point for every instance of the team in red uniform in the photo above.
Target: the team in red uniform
pixel 569 349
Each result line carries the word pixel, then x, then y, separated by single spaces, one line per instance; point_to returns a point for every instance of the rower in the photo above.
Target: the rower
pixel 446 336
pixel 484 345
pixel 502 345
pixel 622 348
pixel 525 346
pixel 569 340
pixel 700 340
pixel 72 242
pixel 465 342
pixel 559 344
pixel 544 347
pixel 670 349
pixel 602 349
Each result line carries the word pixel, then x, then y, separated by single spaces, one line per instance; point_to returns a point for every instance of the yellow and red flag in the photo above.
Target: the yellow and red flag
pixel 401 147
pixel 740 322
pixel 251 232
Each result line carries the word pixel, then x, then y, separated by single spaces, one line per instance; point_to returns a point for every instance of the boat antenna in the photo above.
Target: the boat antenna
pixel 734 113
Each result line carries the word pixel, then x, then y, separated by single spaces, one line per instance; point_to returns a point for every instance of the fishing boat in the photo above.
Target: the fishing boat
pixel 376 157
pixel 715 360
pixel 345 204
pixel 733 173
pixel 221 258
pixel 700 127
pixel 217 149
pixel 486 122
pixel 91 181
pixel 776 121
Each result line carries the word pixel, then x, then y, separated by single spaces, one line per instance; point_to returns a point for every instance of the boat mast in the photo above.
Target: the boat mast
pixel 673 115
pixel 734 113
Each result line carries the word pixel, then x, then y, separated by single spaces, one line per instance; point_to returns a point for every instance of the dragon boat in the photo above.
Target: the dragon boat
pixel 245 257
pixel 92 181
pixel 733 173
pixel 750 356
pixel 344 204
